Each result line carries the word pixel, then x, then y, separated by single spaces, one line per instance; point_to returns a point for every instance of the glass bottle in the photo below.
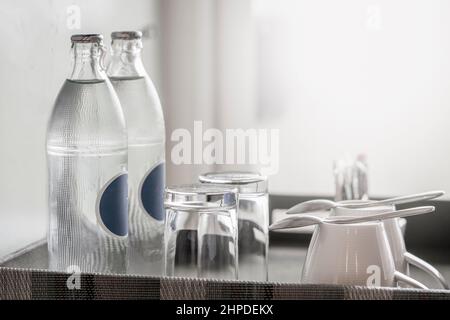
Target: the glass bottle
pixel 87 168
pixel 146 152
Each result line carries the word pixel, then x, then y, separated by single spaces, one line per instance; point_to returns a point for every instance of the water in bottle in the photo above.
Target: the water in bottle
pixel 146 143
pixel 87 167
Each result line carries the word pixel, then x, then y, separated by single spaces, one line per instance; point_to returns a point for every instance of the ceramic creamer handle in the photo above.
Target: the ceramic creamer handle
pixel 400 277
pixel 428 268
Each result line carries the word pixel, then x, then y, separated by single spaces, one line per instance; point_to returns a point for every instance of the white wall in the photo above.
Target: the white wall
pixel 34 61
pixel 189 46
pixel 342 77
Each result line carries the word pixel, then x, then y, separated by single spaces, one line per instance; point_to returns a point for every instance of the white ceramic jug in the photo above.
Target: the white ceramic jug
pixel 402 258
pixel 352 254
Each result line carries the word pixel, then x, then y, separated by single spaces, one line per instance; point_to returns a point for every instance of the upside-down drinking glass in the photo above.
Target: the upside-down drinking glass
pixel 200 238
pixel 253 220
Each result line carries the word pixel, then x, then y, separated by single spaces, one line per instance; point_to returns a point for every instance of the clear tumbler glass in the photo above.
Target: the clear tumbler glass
pixel 253 220
pixel 200 238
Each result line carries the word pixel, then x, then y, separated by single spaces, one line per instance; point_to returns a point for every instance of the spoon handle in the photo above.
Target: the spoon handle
pixel 398 200
pixel 299 221
pixel 311 206
pixel 305 220
pixel 381 216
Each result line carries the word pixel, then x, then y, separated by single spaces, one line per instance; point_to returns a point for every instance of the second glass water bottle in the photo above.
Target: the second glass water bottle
pixel 146 149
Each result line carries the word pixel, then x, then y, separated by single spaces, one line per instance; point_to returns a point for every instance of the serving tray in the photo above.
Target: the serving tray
pixel 23 275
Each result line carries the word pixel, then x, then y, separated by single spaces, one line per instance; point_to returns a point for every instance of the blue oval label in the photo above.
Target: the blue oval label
pixel 113 206
pixel 152 192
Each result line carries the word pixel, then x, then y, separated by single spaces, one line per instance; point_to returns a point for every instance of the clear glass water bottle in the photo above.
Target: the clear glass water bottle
pixel 87 167
pixel 146 150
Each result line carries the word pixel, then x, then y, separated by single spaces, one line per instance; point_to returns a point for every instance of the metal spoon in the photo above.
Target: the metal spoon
pixel 324 205
pixel 305 220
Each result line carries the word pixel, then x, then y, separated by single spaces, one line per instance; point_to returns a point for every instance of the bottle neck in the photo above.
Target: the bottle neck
pixel 126 60
pixel 88 62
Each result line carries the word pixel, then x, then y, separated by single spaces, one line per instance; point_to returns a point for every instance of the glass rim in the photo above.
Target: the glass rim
pixel 200 197
pixel 232 177
pixel 247 182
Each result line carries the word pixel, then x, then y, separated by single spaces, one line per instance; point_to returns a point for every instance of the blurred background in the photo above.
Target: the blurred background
pixel 336 78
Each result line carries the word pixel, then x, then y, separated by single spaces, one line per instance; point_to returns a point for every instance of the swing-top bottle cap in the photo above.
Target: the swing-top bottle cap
pixel 126 35
pixel 87 38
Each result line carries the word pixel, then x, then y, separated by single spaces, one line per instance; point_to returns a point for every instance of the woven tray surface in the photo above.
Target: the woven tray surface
pixel 43 284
